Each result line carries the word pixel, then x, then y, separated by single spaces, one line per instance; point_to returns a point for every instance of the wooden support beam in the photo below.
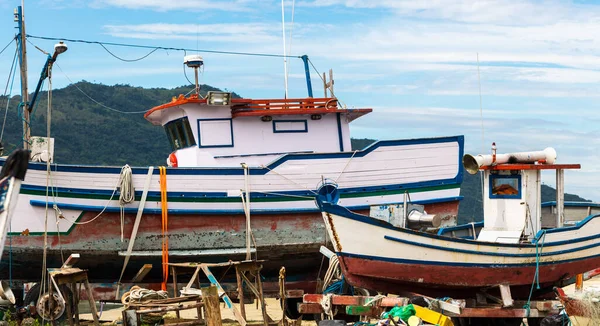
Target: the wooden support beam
pixel 210 297
pixel 142 273
pixel 71 261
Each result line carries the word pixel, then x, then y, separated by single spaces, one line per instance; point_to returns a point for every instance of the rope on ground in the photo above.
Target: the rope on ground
pixel 139 295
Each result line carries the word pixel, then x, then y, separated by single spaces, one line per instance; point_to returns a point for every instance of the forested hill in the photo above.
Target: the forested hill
pixel 86 132
pixel 90 133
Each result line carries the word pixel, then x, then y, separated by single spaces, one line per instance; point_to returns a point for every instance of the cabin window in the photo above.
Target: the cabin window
pixel 505 186
pixel 215 133
pixel 290 126
pixel 180 133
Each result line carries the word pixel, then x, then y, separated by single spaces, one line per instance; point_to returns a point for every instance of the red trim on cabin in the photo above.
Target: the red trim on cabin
pixel 242 107
pixel 260 113
pixel 175 102
pixel 512 167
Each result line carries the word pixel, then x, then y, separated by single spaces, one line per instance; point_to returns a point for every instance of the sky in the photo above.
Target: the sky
pixel 522 74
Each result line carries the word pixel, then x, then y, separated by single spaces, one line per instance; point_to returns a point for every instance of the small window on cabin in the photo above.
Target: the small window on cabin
pixel 180 134
pixel 281 126
pixel 505 186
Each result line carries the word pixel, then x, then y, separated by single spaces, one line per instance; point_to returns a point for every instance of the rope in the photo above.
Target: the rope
pixel 138 295
pixel 536 276
pixel 7 45
pixel 136 225
pixel 119 184
pixel 345 166
pixel 333 272
pixel 283 195
pixel 165 222
pixel 127 193
pixel 12 70
pixel 161 47
pixel 92 99
pixel 326 305
pixel 288 179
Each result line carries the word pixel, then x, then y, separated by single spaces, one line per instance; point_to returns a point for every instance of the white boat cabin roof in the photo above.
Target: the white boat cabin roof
pixel 221 131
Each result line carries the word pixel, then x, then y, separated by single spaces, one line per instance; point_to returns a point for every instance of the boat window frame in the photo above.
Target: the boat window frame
pixel 494 177
pixel 224 145
pixel 179 132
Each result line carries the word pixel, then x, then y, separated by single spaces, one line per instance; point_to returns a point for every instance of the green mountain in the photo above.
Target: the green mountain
pixel 88 132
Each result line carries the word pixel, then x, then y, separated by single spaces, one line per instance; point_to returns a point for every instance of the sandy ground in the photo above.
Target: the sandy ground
pixel 112 312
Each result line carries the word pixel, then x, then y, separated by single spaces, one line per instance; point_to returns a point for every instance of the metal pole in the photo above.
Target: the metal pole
pixel 23 65
pixel 560 197
pixel 307 72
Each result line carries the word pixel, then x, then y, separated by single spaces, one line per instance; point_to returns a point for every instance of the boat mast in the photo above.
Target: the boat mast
pixel 19 17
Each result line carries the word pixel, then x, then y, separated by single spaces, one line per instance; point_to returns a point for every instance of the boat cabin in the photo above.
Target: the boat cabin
pixel 512 203
pixel 219 130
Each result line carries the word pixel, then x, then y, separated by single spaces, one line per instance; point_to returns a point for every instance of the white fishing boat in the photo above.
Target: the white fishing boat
pixel 240 181
pixel 512 249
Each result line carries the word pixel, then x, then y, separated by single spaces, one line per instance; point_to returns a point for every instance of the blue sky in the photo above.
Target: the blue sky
pixel 413 62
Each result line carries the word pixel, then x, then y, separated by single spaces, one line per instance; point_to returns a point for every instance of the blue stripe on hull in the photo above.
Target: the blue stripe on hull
pixel 180 211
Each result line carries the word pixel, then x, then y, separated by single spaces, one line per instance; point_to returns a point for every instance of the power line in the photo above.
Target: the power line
pixel 103 44
pixel 128 60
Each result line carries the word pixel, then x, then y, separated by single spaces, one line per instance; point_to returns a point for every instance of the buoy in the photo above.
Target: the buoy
pixel 172 160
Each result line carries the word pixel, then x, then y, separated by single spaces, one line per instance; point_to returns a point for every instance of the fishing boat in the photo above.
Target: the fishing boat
pixel 240 182
pixel 510 249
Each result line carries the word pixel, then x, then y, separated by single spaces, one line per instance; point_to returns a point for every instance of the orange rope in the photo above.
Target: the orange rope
pixel 165 222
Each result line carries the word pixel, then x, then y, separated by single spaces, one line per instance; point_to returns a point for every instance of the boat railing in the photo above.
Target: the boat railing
pixel 243 105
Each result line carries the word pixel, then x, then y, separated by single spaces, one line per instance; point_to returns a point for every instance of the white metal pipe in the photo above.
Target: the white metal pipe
pixel 473 163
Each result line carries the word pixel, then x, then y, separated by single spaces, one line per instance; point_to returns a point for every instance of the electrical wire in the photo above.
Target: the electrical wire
pixel 162 47
pixel 7 45
pixel 128 60
pixel 92 99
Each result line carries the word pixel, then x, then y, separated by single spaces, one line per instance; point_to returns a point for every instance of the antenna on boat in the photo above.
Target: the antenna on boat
pixel 285 77
pixel 194 61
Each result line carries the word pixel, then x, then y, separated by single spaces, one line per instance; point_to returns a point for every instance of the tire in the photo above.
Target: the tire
pixel 33 294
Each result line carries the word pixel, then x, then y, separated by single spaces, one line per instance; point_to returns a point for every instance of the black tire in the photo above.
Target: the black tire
pixel 34 293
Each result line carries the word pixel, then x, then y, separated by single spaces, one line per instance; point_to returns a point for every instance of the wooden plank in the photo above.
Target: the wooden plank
pixel 210 298
pixel 226 299
pixel 142 273
pixel 310 308
pixel 294 293
pixel 347 300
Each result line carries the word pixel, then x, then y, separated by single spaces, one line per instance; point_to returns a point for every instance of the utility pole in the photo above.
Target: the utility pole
pixel 19 17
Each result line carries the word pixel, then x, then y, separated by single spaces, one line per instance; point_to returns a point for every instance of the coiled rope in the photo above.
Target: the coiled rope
pixel 127 193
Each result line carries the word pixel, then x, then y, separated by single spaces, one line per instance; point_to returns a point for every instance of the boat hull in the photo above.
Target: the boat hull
pixel 395 260
pixel 206 213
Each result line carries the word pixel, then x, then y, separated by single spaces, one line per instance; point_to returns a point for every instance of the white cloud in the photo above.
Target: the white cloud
pixel 188 5
pixel 245 33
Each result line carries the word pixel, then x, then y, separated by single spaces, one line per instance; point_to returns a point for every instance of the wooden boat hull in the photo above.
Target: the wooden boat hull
pixel 394 260
pixel 206 214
